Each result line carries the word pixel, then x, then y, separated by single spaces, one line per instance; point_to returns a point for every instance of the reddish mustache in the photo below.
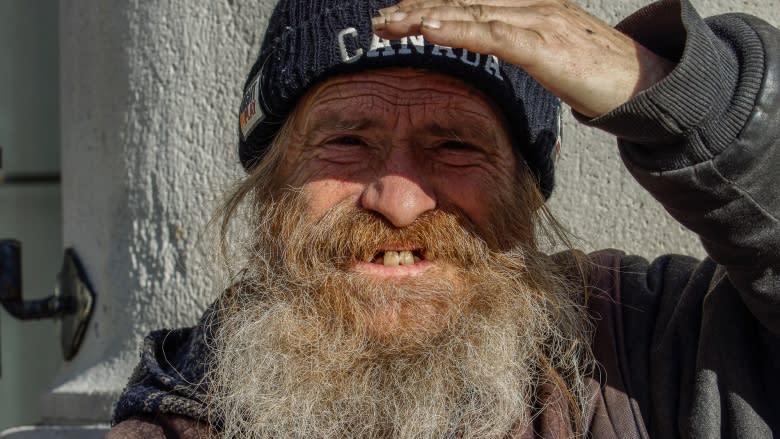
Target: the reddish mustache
pixel 347 234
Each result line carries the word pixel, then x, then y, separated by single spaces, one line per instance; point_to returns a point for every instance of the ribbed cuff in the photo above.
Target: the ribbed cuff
pixel 701 106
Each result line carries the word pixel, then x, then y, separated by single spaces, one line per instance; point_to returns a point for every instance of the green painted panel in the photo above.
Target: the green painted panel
pixel 30 350
pixel 29 85
pixel 29 135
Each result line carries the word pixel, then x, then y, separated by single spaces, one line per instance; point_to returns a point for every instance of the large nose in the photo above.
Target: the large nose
pixel 401 193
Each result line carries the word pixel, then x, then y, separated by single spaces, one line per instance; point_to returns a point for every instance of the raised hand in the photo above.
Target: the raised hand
pixel 584 61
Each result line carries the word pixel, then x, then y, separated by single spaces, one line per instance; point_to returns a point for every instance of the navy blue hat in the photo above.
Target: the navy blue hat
pixel 310 40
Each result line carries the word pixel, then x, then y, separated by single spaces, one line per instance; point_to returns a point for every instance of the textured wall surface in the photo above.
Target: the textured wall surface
pixel 149 94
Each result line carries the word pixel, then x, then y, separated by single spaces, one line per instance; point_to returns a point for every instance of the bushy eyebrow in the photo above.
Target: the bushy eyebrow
pixel 340 122
pixel 463 130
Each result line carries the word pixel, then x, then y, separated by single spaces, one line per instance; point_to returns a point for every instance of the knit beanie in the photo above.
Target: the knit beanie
pixel 308 41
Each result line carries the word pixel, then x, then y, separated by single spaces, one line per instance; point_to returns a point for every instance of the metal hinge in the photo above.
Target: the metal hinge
pixel 72 301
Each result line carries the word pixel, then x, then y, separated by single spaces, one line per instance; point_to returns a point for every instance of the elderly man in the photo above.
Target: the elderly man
pixel 390 281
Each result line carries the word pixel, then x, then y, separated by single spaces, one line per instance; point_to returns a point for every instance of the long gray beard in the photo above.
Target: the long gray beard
pixel 285 367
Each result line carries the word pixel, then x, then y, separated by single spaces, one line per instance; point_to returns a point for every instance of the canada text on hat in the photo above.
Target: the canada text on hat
pixel 350 52
pixel 382 47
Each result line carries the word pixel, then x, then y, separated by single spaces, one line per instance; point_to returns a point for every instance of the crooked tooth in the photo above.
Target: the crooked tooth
pixel 392 259
pixel 428 255
pixel 407 258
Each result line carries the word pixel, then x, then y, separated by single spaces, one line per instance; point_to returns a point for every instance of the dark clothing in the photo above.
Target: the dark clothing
pixel 702 340
pixel 687 348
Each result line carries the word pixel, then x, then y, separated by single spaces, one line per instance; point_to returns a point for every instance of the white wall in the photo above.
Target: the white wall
pixel 149 94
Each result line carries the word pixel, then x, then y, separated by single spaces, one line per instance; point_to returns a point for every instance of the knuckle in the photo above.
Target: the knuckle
pixel 478 12
pixel 498 30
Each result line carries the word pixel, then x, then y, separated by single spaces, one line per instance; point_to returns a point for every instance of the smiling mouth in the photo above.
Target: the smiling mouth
pixel 395 258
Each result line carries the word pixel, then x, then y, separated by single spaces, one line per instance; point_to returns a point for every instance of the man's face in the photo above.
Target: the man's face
pixel 399 143
pixel 393 287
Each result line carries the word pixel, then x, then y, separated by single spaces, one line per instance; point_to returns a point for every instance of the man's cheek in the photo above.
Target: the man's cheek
pixel 320 196
pixel 313 164
pixel 475 196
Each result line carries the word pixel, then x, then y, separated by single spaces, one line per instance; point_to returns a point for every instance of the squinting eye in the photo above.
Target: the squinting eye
pixel 344 149
pixel 457 153
pixel 346 140
pixel 454 145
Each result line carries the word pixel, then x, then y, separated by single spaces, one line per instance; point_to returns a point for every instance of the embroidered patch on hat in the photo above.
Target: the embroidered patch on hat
pixel 556 154
pixel 250 109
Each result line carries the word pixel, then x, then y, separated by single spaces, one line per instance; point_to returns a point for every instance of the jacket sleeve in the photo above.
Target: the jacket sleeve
pixel 703 338
pixel 705 141
pixel 160 426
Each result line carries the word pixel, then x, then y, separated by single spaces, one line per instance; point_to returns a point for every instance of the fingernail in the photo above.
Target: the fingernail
pixel 430 23
pixel 378 21
pixel 388 10
pixel 397 16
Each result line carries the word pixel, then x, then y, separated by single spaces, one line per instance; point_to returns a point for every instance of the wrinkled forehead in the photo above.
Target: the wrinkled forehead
pixel 400 98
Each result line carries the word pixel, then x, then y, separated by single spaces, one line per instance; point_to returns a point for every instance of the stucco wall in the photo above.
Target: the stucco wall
pixel 149 94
